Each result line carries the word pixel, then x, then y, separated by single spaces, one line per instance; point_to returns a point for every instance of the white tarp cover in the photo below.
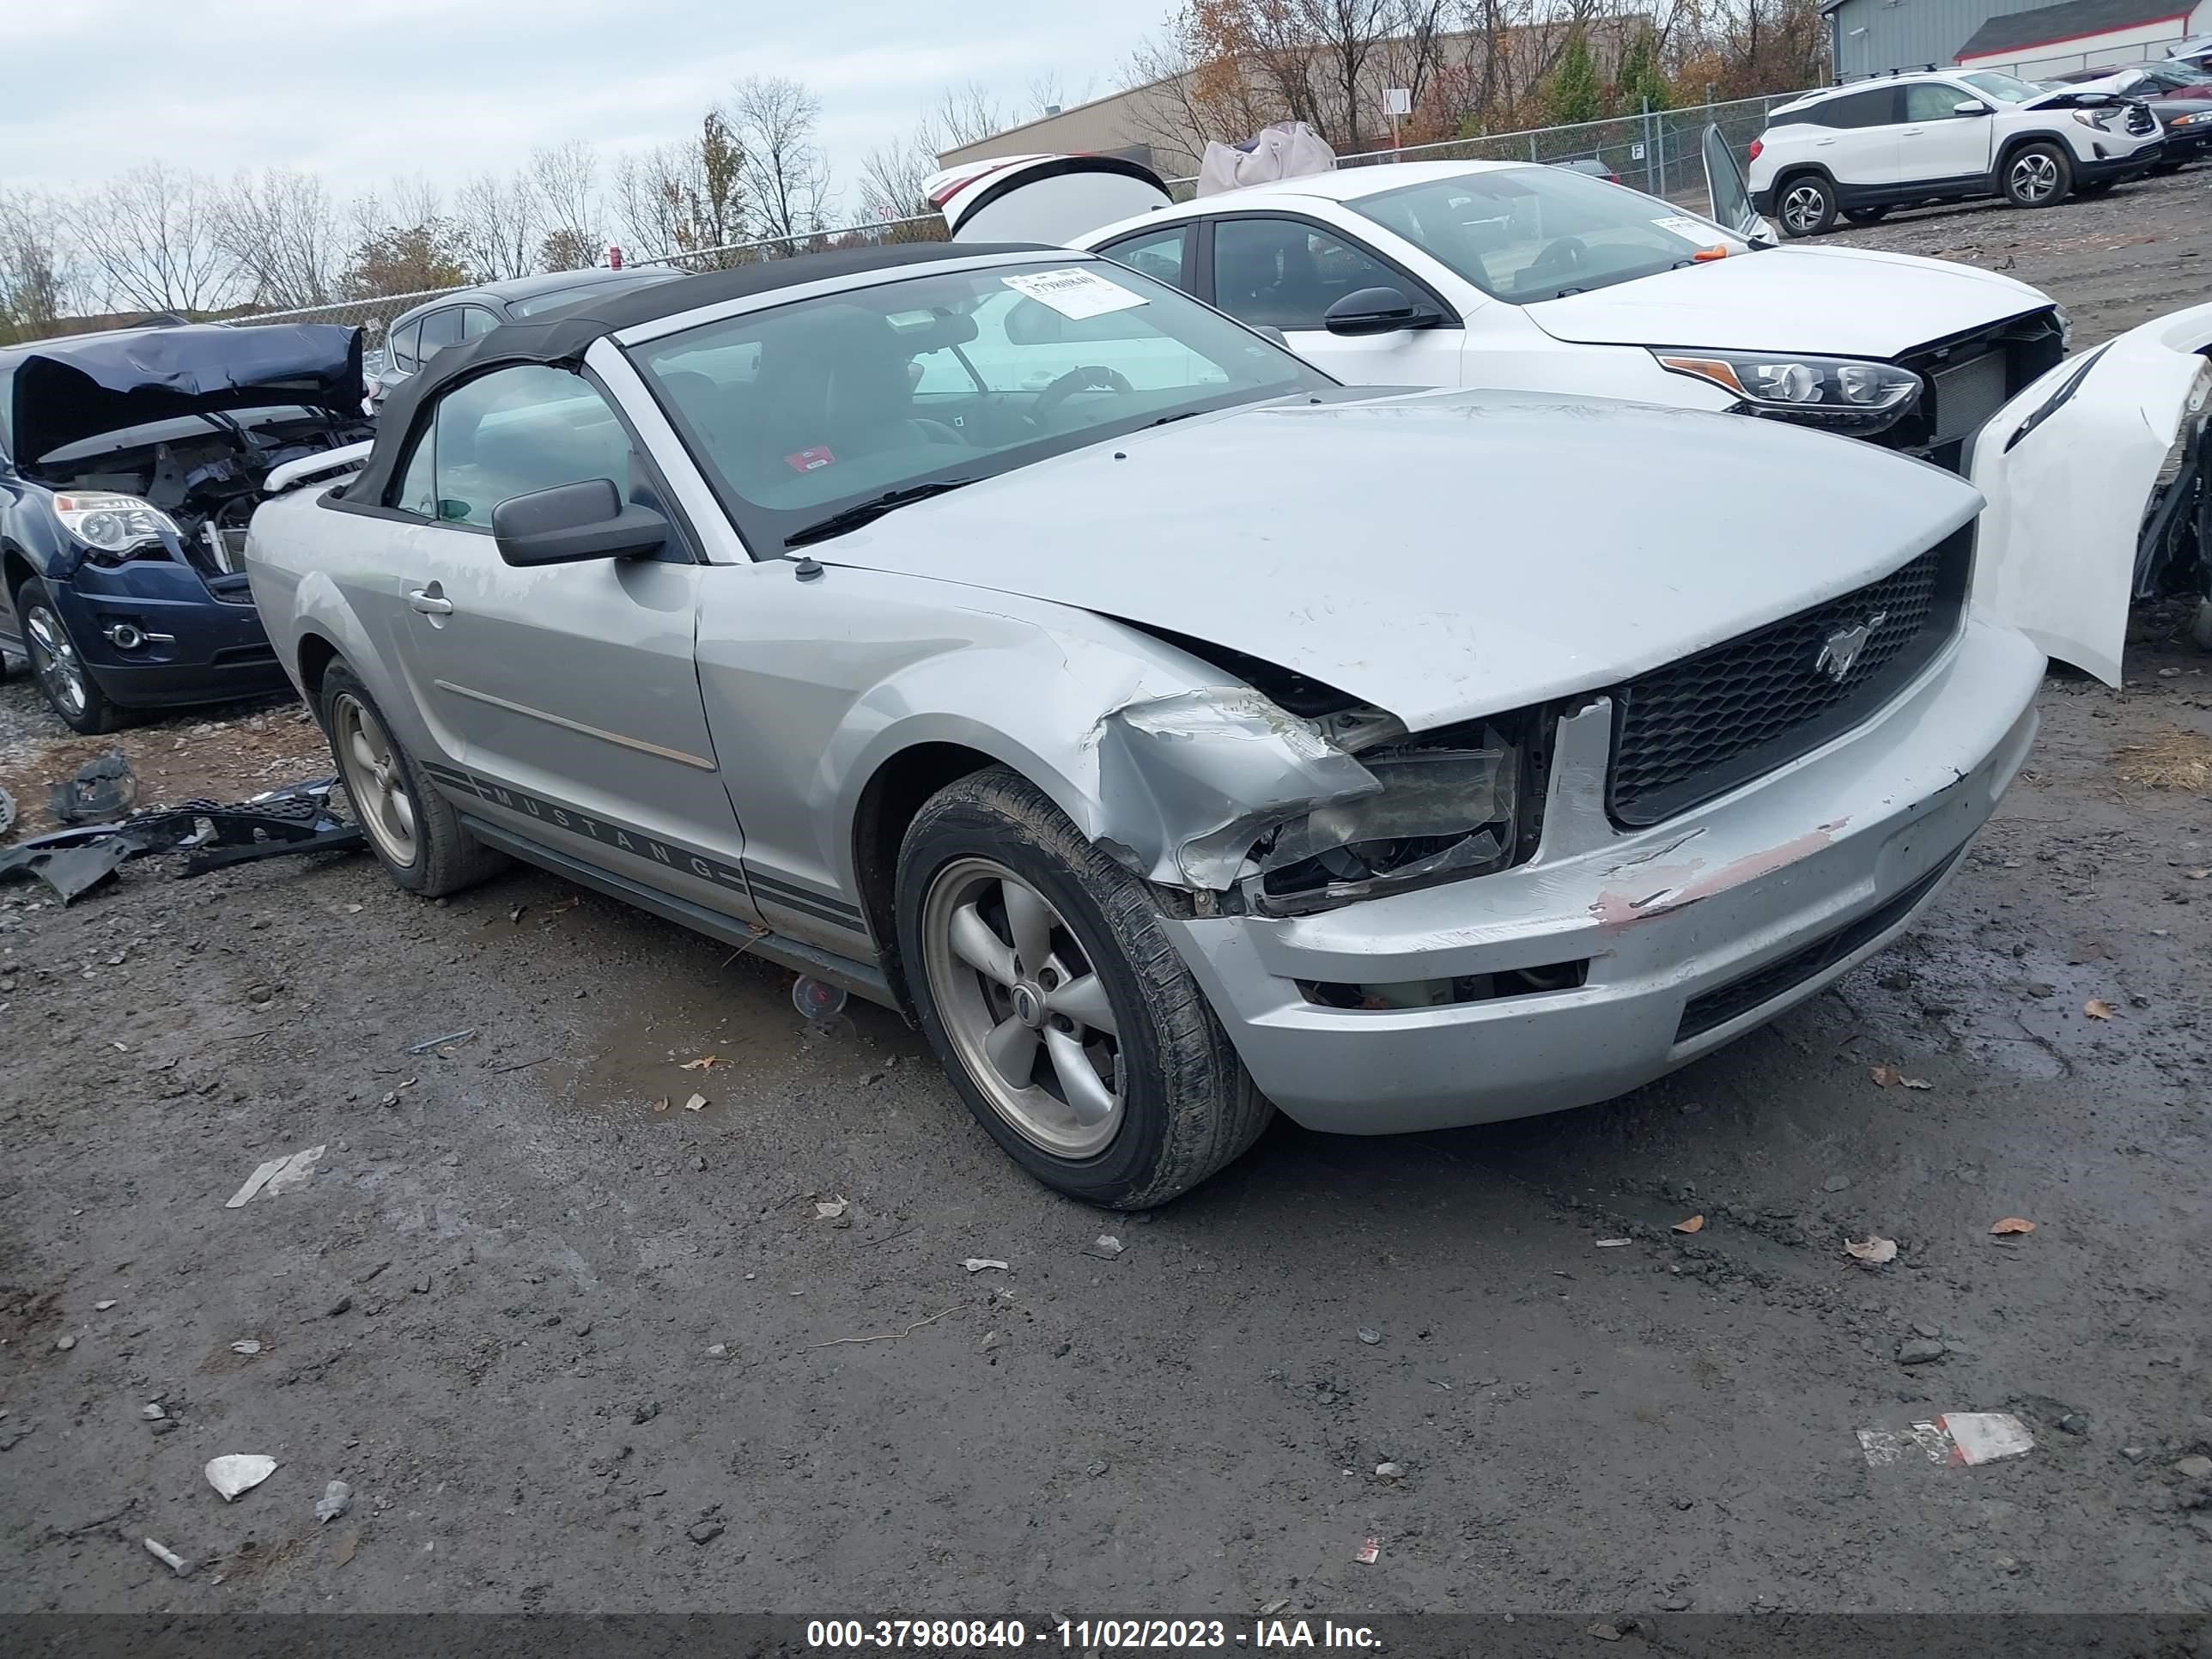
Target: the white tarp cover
pixel 1288 149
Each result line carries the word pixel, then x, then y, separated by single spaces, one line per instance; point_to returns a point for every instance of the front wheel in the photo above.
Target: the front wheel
pixel 1057 1003
pixel 412 828
pixel 1807 205
pixel 2038 176
pixel 67 685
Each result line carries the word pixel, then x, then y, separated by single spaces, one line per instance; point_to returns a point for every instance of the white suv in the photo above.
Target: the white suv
pixel 1907 140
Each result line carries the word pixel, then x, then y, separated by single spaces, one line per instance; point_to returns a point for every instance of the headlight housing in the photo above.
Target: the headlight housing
pixel 113 527
pixel 1842 393
pixel 2197 119
pixel 1449 807
pixel 2190 428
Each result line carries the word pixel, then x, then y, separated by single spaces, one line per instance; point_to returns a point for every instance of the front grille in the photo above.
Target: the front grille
pixel 1967 379
pixel 1715 1008
pixel 2140 121
pixel 1698 728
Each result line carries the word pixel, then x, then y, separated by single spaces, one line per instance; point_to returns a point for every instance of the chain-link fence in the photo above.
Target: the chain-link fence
pixel 1657 151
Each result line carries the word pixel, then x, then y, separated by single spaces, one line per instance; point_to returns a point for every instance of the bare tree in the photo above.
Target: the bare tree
pixel 38 286
pixel 685 197
pixel 281 231
pixel 567 180
pixel 776 122
pixel 892 176
pixel 495 223
pixel 150 237
pixel 964 114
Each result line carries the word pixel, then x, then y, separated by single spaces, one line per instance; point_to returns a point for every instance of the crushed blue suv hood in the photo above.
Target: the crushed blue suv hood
pixel 61 392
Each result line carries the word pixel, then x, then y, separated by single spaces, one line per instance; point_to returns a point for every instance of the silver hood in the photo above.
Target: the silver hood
pixel 1853 302
pixel 1444 555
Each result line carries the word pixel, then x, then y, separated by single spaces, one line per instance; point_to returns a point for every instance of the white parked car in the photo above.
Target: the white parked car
pixel 1516 276
pixel 1908 140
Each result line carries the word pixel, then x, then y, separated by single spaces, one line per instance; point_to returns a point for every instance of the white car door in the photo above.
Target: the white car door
pixel 2070 467
pixel 1285 271
pixel 1937 142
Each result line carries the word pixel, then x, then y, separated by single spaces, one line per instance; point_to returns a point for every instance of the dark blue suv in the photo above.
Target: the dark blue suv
pixel 130 463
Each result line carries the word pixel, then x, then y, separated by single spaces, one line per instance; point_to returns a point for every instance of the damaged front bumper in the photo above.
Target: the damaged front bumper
pixel 1611 958
pixel 2094 477
pixel 153 632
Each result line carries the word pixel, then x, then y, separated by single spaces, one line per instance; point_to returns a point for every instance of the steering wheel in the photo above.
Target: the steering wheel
pixel 1565 254
pixel 1091 377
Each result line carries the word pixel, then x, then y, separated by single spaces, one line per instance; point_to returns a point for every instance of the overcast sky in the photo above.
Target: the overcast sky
pixel 360 89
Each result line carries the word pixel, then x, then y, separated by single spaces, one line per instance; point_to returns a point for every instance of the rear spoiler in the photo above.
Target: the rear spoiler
pixel 350 458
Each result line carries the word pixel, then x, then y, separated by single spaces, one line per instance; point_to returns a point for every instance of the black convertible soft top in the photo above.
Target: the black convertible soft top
pixel 65 390
pixel 563 335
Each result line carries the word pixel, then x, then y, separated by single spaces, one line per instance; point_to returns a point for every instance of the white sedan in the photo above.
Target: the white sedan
pixel 1515 275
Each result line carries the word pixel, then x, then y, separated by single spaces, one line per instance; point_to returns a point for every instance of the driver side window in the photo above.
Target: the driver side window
pixel 510 433
pixel 1282 274
pixel 1022 345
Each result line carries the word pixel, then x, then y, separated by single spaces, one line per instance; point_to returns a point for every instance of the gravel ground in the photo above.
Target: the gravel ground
pixel 576 1348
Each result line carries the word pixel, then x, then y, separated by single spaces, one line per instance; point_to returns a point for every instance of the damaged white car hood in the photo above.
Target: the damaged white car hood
pixel 1761 301
pixel 1440 556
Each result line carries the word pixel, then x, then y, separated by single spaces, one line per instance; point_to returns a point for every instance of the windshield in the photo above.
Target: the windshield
pixel 1529 233
pixel 2003 88
pixel 805 410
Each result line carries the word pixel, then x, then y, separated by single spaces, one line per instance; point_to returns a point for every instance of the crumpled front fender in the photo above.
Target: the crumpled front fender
pixel 2068 468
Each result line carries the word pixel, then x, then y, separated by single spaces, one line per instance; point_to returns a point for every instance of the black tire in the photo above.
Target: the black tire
pixel 1866 215
pixel 64 680
pixel 444 857
pixel 1805 205
pixel 2038 175
pixel 1186 1105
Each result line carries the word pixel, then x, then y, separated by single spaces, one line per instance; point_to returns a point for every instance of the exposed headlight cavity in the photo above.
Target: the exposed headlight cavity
pixel 1831 391
pixel 113 526
pixel 2191 427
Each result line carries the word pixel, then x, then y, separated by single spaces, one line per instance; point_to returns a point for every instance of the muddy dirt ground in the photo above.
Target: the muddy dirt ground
pixel 575 1349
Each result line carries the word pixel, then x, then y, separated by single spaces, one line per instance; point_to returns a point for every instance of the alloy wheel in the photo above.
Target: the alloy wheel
pixel 1802 207
pixel 2034 176
pixel 375 783
pixel 1025 1007
pixel 54 660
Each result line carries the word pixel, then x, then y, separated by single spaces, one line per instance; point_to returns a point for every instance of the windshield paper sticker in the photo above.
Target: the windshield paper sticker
pixel 1704 235
pixel 1074 293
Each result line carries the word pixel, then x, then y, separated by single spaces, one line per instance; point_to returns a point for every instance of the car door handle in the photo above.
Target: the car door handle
pixel 430 601
pixel 1912 132
pixel 1822 143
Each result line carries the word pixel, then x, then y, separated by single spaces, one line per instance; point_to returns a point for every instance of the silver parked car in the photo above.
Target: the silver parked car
pixel 421 334
pixel 1007 636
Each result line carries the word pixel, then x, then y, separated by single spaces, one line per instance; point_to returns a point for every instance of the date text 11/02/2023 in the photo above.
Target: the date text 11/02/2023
pixel 1093 1634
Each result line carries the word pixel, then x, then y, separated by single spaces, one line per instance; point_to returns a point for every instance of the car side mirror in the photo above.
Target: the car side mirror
pixel 1377 310
pixel 575 521
pixel 1970 106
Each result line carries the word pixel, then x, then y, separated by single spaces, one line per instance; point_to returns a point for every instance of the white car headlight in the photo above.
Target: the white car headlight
pixel 113 526
pixel 2191 424
pixel 1831 392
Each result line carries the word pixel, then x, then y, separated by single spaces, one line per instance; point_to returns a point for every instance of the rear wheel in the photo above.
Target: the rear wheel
pixel 1058 1003
pixel 67 683
pixel 2038 175
pixel 412 828
pixel 1806 205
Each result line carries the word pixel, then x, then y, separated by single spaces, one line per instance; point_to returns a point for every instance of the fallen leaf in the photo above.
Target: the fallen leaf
pixel 2011 1225
pixel 704 1063
pixel 1873 1248
pixel 1695 1223
pixel 2098 1008
pixel 697 1102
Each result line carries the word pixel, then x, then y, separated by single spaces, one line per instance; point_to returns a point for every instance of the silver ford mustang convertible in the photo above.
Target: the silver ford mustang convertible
pixel 1008 637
